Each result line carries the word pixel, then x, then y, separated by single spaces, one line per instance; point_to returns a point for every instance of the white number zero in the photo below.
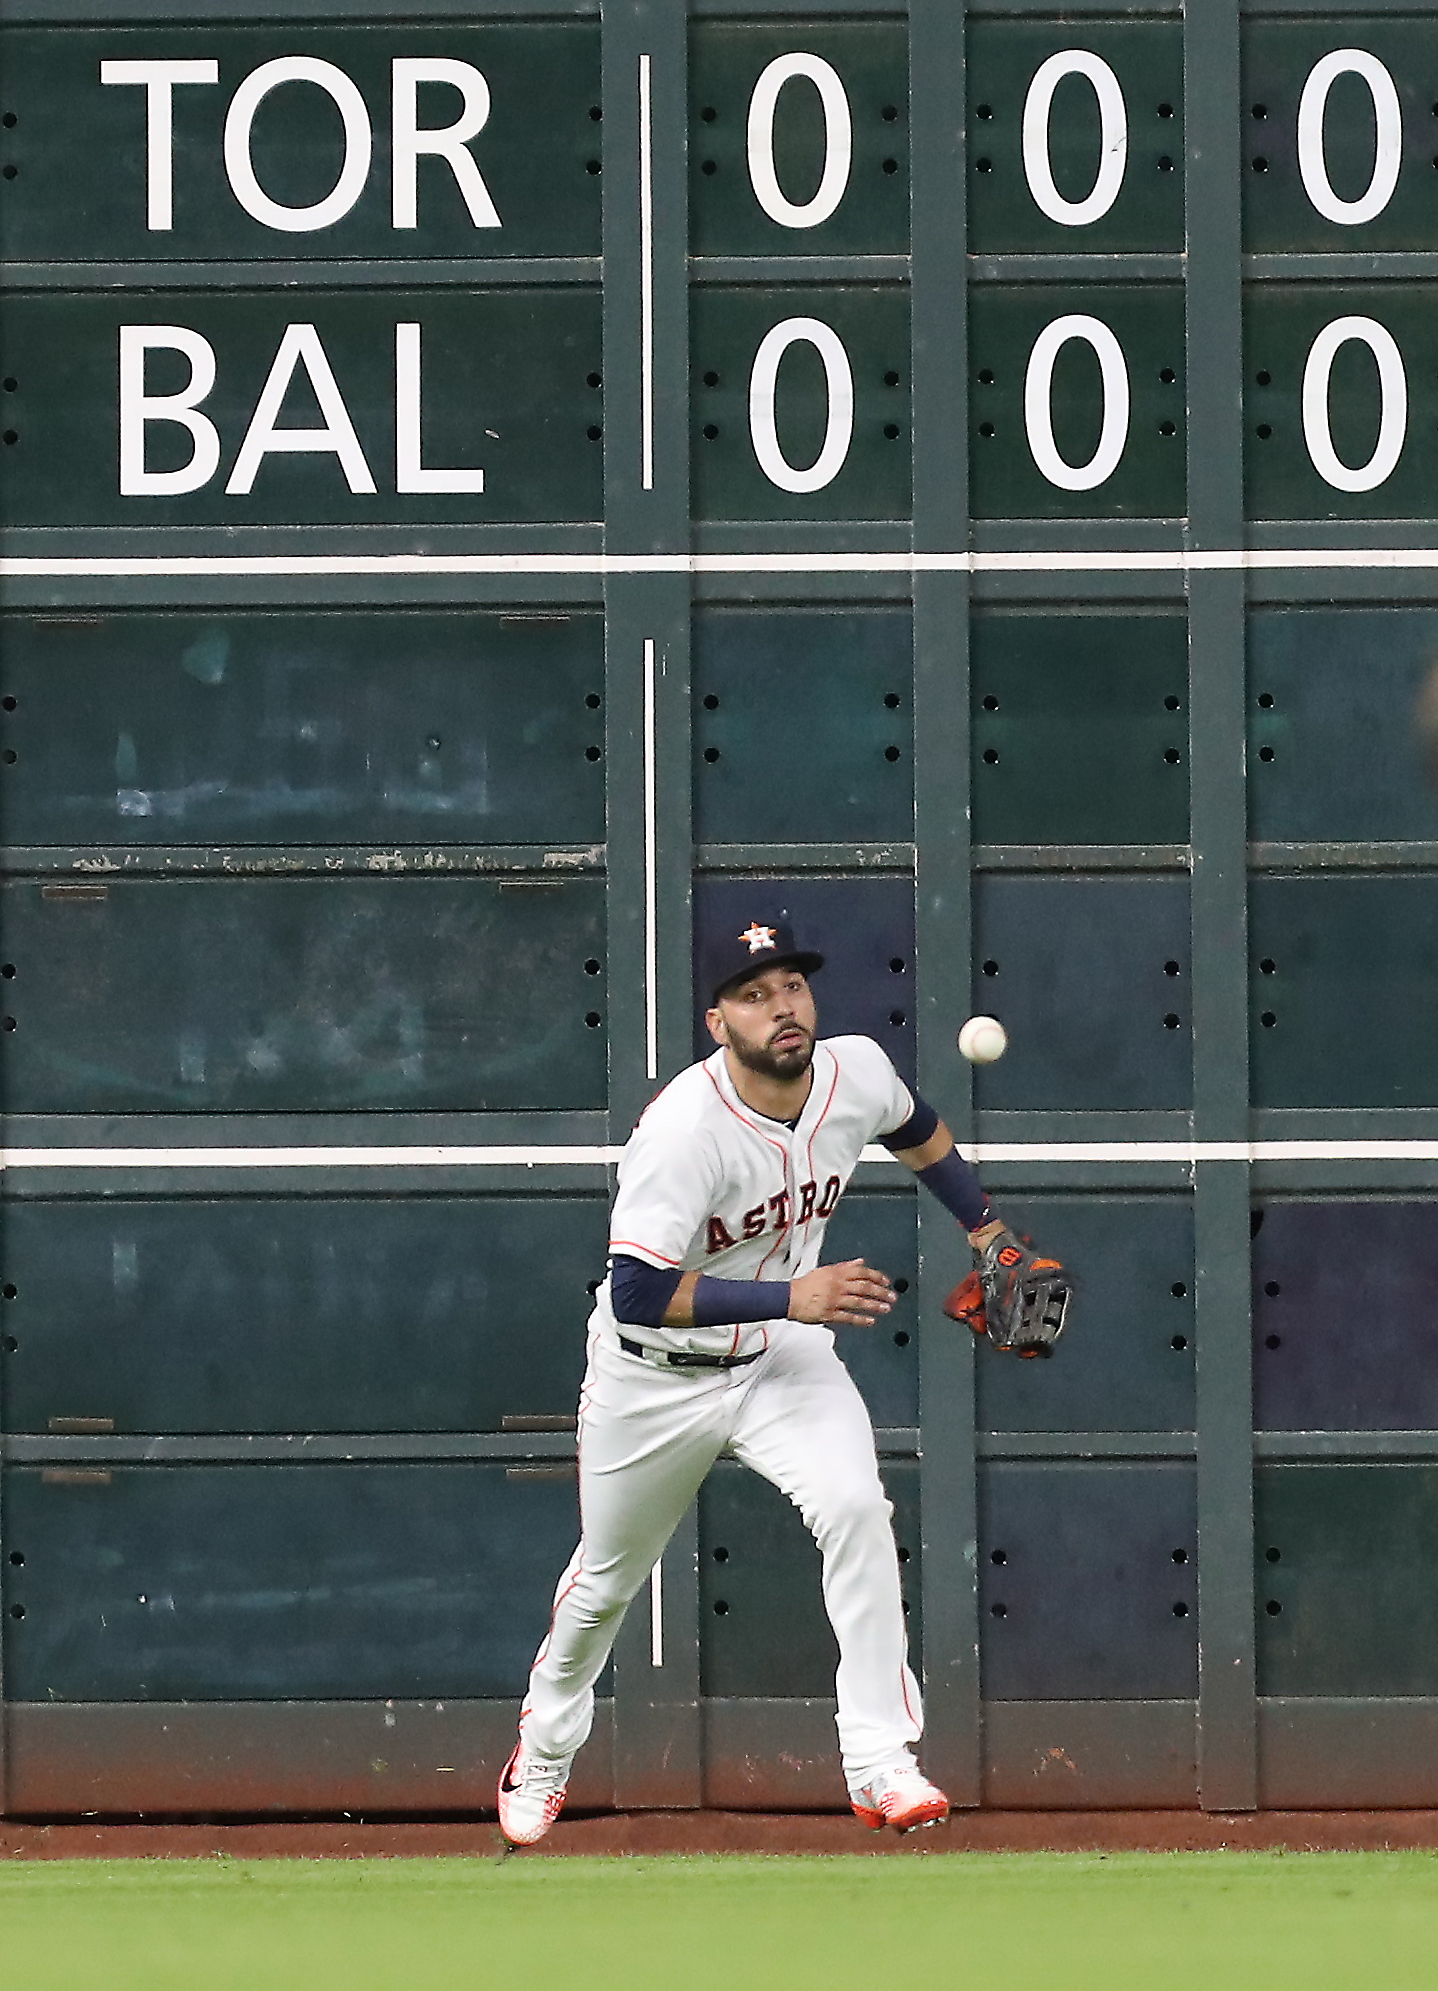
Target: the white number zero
pixel 1038 403
pixel 838 140
pixel 1388 148
pixel 763 381
pixel 1113 137
pixel 1393 406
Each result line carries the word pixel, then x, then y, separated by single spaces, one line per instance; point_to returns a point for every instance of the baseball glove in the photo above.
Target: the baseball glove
pixel 1018 1300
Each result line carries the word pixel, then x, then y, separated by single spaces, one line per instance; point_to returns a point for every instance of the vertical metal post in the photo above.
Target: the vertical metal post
pixel 1213 124
pixel 947 1474
pixel 4 1609
pixel 646 369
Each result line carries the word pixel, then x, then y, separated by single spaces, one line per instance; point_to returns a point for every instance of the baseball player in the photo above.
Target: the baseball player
pixel 711 1336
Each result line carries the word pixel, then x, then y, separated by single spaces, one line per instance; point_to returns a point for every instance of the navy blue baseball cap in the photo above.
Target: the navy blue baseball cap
pixel 733 956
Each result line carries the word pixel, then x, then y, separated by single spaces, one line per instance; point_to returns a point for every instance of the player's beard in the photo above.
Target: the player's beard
pixel 782 1065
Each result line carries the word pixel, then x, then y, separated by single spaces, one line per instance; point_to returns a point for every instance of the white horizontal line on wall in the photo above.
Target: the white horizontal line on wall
pixel 307 1157
pixel 1185 1152
pixel 1196 1151
pixel 538 565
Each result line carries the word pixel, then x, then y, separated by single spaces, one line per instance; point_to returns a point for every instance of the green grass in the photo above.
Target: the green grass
pixel 1004 1922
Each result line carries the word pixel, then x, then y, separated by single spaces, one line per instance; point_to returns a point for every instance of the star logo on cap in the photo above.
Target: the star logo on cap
pixel 758 937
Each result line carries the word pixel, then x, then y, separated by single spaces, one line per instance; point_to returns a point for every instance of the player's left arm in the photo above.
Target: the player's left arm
pixel 1018 1299
pixel 1014 1297
pixel 924 1144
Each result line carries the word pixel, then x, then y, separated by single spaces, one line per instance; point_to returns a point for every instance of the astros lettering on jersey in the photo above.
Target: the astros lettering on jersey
pixel 707 1184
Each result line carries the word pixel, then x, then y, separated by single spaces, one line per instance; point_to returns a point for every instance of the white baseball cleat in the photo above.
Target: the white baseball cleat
pixel 531 1794
pixel 901 1796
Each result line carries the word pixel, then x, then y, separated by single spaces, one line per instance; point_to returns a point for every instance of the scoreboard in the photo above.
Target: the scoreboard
pixel 490 491
pixel 386 149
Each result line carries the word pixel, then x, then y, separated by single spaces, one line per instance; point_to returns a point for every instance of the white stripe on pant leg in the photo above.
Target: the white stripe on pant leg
pixel 656 1614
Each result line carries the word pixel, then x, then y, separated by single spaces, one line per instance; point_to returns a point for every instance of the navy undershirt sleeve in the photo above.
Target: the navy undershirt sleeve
pixel 728 1302
pixel 950 1178
pixel 956 1184
pixel 918 1128
pixel 640 1293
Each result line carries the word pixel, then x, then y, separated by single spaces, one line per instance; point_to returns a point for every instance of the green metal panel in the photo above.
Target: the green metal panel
pixel 872 323
pixel 883 1359
pixel 1080 733
pixel 1319 1266
pixel 305 1582
pixel 1128 1363
pixel 727 59
pixel 762 1624
pixel 1004 325
pixel 1358 1754
pixel 1333 752
pixel 1090 977
pixel 80 145
pixel 1326 951
pixel 259 728
pixel 307 1314
pixel 1087 1578
pixel 1281 325
pixel 850 672
pixel 1346 1600
pixel 1278 58
pixel 1146 212
pixel 510 384
pixel 292 994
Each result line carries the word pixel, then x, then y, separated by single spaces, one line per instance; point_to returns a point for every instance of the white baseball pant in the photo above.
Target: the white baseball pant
pixel 647 1437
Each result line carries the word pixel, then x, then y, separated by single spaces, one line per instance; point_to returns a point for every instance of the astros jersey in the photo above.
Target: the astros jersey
pixel 707 1184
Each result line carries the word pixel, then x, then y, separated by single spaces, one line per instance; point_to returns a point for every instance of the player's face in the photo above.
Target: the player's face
pixel 768 1022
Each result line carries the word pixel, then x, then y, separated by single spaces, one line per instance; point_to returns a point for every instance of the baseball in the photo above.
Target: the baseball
pixel 983 1040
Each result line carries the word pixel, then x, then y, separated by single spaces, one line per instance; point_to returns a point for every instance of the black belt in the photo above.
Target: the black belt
pixel 687 1361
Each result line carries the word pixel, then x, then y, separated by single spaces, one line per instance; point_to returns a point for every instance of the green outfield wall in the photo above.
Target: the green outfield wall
pixel 491 491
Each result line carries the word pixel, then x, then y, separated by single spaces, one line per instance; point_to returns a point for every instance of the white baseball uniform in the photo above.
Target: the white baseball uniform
pixel 707 1184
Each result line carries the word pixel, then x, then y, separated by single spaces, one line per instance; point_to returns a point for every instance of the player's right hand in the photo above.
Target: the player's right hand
pixel 849 1295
